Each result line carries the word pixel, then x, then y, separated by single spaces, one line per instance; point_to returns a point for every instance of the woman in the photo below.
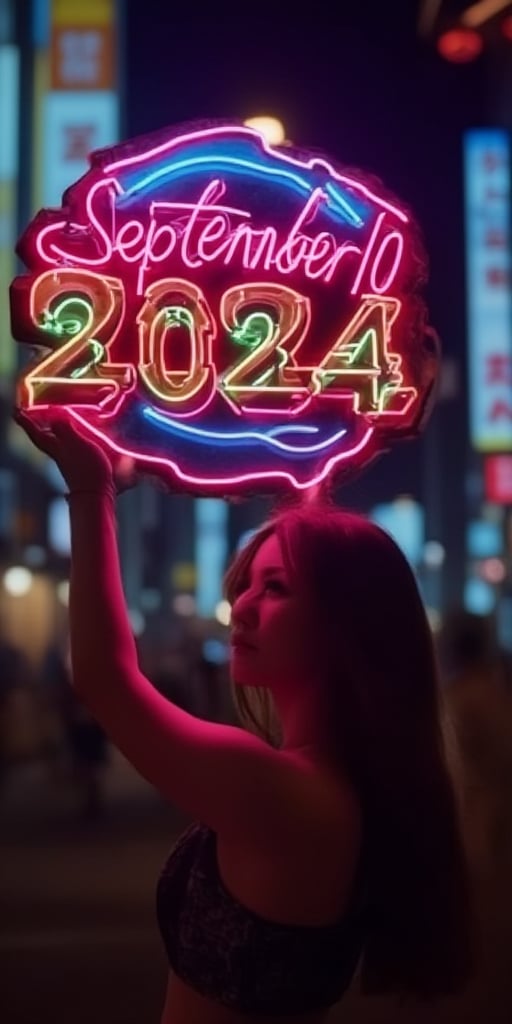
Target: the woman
pixel 325 833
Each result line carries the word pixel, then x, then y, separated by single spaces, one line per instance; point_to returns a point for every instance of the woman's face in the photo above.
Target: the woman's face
pixel 270 637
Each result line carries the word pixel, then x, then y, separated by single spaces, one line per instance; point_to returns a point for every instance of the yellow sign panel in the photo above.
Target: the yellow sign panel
pixel 7 269
pixel 80 13
pixel 82 45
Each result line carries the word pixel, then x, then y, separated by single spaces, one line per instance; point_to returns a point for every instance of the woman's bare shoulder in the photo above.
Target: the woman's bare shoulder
pixel 335 802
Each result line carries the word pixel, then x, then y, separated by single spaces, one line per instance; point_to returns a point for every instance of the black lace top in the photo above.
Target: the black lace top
pixel 227 952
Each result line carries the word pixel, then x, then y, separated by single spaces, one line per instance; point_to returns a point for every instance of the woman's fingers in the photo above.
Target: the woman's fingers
pixel 57 424
pixel 41 435
pixel 77 455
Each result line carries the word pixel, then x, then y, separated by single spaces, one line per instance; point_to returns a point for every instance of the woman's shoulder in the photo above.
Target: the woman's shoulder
pixel 334 805
pixel 320 860
pixel 336 790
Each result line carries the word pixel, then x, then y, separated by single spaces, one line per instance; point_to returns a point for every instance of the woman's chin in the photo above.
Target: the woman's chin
pixel 243 674
pixel 239 678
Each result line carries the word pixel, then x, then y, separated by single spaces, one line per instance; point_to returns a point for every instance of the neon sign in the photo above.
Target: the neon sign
pixel 234 316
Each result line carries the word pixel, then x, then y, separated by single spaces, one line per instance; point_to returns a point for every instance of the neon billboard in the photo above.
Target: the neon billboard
pixel 236 317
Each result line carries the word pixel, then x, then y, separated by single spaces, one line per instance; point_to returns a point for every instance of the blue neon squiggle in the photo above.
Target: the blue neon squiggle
pixel 207 436
pixel 338 198
pixel 219 162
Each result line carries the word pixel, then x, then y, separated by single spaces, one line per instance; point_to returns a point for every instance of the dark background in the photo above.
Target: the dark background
pixel 358 81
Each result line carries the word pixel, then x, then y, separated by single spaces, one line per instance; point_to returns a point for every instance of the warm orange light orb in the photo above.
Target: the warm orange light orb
pixel 271 128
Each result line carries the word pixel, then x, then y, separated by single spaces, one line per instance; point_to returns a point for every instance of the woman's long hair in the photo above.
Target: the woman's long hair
pixel 378 678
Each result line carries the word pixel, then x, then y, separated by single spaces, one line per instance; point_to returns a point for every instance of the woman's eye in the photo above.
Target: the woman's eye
pixel 276 585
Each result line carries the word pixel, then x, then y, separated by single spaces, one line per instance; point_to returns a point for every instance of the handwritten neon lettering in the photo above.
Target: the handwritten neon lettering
pixel 212 233
pixel 397 238
pixel 125 242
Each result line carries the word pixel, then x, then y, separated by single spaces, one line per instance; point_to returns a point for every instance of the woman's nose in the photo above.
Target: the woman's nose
pixel 244 611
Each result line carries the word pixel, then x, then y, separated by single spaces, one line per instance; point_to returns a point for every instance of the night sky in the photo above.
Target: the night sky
pixel 359 85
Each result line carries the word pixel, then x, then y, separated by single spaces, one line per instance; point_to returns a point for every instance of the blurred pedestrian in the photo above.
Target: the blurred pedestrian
pixel 15 683
pixel 85 745
pixel 479 703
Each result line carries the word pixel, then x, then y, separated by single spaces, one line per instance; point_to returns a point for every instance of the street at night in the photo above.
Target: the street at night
pixel 255 466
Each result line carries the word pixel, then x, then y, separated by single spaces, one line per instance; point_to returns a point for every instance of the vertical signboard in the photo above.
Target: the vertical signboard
pixel 81 107
pixel 489 295
pixel 9 103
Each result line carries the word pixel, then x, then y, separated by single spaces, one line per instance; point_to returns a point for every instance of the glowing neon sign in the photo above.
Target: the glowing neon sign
pixel 232 315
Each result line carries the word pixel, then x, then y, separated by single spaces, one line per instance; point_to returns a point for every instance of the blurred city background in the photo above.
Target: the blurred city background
pixel 420 94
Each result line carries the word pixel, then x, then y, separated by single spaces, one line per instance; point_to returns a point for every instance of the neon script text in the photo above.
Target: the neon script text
pixel 208 232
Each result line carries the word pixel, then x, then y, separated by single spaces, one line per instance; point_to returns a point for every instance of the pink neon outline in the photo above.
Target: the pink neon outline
pixel 398 259
pixel 286 158
pixel 32 380
pixel 223 481
pixel 264 287
pixel 366 257
pixel 123 228
pixel 209 333
pixel 279 256
pixel 394 359
pixel 280 412
pixel 231 243
pixel 216 188
pixel 296 304
pixel 93 221
pixel 413 394
pixel 121 400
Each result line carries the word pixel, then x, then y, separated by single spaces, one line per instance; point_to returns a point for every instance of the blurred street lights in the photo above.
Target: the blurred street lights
pixel 482 26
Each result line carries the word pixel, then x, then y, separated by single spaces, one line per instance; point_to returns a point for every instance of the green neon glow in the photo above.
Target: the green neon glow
pixel 282 356
pixel 179 316
pixel 256 329
pixel 98 354
pixel 70 317
pixel 58 323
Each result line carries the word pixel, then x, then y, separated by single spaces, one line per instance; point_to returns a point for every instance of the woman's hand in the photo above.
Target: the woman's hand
pixel 84 464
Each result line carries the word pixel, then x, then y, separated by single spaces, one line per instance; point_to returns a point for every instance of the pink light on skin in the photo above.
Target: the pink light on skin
pixel 176 387
pixel 183 141
pixel 239 479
